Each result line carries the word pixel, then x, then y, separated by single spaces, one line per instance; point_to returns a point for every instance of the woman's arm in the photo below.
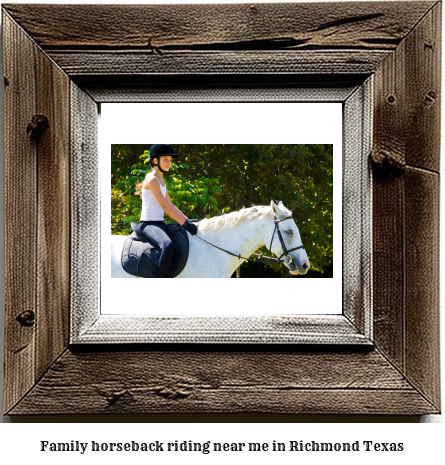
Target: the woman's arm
pixel 173 206
pixel 164 202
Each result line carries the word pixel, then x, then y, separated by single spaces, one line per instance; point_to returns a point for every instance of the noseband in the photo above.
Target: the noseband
pixel 270 259
pixel 283 245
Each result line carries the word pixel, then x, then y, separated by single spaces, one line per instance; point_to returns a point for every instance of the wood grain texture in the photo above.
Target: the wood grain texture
pixel 53 202
pixel 222 382
pixel 85 211
pixel 357 209
pixel 20 213
pixel 389 143
pixel 423 91
pixel 422 281
pixel 37 215
pixel 388 268
pixel 224 39
pixel 406 205
pixel 79 63
pixel 217 88
pixel 113 329
pixel 154 27
pixel 407 113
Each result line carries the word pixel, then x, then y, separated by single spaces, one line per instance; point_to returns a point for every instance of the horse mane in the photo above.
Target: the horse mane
pixel 229 220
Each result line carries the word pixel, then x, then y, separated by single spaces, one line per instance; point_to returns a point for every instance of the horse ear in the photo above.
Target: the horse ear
pixel 276 209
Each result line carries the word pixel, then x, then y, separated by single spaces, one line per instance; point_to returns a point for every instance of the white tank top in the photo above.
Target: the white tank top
pixel 151 210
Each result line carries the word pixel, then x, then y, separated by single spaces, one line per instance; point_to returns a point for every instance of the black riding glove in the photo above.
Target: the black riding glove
pixel 190 227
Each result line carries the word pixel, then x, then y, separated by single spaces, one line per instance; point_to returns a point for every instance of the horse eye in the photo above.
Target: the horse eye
pixel 289 232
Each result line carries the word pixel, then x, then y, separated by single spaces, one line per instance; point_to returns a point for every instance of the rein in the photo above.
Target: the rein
pixel 270 259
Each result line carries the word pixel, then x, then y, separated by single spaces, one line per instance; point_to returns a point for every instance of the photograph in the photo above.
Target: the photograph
pixel 239 210
pixel 222 192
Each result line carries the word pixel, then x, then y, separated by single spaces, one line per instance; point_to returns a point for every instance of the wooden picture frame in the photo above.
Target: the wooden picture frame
pixel 77 56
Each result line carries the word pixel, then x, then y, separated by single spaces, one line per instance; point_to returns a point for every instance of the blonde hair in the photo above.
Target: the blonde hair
pixel 139 185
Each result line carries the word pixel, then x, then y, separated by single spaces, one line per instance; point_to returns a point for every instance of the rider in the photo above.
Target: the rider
pixel 156 201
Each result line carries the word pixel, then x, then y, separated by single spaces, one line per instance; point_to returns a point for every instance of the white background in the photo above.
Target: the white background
pixel 19 442
pixel 231 123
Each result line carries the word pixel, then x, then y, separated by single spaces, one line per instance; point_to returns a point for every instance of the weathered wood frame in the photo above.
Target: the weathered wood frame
pixel 69 60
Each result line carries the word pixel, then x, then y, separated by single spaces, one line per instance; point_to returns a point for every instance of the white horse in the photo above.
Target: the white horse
pixel 241 232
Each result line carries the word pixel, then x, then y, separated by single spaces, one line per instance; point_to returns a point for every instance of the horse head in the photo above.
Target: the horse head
pixel 297 260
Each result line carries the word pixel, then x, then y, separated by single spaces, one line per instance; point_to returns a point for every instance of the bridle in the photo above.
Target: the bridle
pixel 260 256
pixel 283 245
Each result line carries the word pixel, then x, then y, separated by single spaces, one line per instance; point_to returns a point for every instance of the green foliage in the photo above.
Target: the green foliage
pixel 213 179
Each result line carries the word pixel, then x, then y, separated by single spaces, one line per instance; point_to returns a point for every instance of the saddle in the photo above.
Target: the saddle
pixel 141 259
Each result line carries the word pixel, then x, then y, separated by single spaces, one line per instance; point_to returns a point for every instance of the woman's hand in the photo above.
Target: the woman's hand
pixel 190 227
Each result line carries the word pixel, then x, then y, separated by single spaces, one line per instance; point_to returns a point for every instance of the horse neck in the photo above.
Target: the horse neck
pixel 244 238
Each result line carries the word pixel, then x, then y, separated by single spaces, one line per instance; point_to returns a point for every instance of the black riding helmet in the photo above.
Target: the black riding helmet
pixel 161 150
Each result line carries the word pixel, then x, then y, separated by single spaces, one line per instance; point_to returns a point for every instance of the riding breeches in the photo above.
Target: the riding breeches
pixel 156 233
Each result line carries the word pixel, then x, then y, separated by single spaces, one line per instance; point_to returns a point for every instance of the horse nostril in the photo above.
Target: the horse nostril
pixel 305 265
